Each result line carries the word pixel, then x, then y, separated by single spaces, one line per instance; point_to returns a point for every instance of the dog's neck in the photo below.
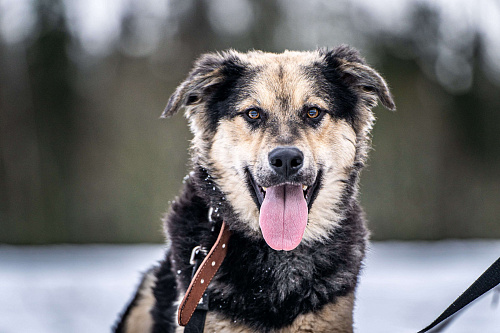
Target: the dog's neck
pixel 310 276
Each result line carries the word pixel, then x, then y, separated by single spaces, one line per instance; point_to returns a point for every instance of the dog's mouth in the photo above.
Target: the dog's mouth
pixel 283 210
pixel 258 192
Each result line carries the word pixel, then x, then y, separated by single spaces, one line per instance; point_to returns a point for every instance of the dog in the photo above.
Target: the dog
pixel 279 141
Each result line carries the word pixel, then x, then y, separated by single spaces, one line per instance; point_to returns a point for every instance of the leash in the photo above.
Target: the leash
pixel 193 308
pixel 487 281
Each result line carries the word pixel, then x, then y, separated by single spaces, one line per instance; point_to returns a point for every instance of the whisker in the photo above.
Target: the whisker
pixel 348 139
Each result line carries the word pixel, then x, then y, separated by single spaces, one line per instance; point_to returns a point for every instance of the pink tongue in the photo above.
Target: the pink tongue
pixel 283 216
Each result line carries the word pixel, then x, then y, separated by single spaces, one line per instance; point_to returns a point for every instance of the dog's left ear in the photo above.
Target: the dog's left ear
pixel 208 71
pixel 354 71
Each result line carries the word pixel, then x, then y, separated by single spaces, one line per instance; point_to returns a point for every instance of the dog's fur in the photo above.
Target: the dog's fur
pixel 258 289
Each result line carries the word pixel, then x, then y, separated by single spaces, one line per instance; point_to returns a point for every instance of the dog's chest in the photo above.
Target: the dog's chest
pixel 332 318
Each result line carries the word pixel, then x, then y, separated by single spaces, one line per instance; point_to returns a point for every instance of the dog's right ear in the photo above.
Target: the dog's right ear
pixel 208 71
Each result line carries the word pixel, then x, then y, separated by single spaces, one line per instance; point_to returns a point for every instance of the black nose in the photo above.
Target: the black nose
pixel 286 161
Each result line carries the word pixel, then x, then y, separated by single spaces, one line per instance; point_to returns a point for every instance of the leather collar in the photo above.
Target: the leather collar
pixel 203 276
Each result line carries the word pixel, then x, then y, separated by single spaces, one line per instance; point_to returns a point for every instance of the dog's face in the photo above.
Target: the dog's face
pixel 283 136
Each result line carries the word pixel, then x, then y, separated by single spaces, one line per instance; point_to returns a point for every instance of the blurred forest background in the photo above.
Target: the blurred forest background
pixel 85 158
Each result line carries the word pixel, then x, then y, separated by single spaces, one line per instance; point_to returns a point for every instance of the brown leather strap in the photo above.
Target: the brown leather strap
pixel 203 276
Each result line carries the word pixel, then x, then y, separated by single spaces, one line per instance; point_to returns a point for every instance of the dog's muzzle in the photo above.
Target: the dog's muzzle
pixel 284 194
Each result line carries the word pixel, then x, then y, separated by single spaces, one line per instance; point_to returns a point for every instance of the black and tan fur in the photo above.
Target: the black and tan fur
pixel 258 289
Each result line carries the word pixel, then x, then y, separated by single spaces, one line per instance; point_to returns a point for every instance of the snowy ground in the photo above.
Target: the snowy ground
pixel 82 288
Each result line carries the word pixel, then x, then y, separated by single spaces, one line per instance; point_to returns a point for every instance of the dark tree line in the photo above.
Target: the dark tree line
pixel 84 158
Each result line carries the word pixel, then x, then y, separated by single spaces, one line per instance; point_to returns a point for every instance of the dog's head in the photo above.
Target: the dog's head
pixel 282 136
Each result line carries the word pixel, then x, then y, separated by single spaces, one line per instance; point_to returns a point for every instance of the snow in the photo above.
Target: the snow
pixel 403 287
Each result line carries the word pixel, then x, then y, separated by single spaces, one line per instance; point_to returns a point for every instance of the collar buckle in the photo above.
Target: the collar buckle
pixel 197 253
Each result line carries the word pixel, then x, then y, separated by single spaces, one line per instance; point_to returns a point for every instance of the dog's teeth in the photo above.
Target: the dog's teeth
pixel 264 188
pixel 304 187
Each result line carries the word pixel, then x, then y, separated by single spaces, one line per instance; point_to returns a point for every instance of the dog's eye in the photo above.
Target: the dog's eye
pixel 253 114
pixel 313 113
